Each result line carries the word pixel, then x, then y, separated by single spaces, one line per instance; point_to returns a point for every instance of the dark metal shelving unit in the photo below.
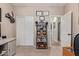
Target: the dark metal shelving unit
pixel 41 35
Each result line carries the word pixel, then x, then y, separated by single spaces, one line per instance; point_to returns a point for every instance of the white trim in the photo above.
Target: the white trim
pixel 51 16
pixel 33 28
pixel 56 16
pixel 68 12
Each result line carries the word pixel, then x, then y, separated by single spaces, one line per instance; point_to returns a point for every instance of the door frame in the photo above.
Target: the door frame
pixel 51 25
pixel 61 18
pixel 33 28
pixel 71 26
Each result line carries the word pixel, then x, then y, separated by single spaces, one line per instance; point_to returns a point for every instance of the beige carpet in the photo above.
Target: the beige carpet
pixel 31 51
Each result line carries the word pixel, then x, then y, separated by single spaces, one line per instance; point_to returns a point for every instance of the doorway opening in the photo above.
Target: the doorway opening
pixel 56 30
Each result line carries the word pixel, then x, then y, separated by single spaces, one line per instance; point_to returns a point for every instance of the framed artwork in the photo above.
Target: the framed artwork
pixel 0 21
pixel 38 13
pixel 45 13
pixel 0 14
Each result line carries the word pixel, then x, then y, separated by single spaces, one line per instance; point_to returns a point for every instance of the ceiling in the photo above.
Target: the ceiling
pixel 38 4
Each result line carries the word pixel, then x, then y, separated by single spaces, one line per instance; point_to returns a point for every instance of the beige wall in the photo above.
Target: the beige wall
pixel 24 11
pixel 8 28
pixel 31 11
pixel 75 10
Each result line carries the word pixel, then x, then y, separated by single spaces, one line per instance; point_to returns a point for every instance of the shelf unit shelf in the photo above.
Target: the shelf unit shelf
pixel 3 52
pixel 41 35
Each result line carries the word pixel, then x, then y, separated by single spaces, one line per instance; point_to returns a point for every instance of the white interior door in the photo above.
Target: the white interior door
pixel 20 31
pixel 66 30
pixel 29 30
pixel 24 30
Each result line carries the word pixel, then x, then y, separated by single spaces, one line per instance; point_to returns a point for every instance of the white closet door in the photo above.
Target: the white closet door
pixel 29 30
pixel 24 29
pixel 20 31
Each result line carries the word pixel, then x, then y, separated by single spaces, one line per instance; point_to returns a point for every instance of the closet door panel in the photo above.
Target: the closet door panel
pixel 25 30
pixel 29 29
pixel 20 31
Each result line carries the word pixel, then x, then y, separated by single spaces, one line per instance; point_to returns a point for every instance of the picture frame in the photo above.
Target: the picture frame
pixel 38 13
pixel 45 13
pixel 0 14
